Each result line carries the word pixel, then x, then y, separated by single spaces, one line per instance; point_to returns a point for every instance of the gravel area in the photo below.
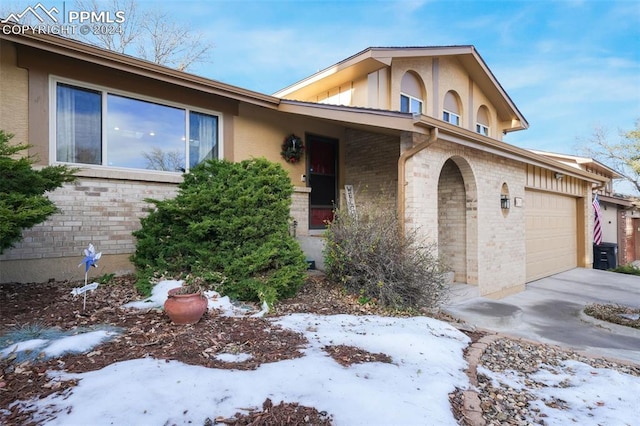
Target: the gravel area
pixel 504 405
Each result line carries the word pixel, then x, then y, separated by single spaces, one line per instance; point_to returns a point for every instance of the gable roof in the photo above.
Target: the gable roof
pixel 375 58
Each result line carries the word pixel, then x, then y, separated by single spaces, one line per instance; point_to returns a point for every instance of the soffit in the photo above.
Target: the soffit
pixel 584 163
pixel 394 123
pixel 374 120
pixel 331 77
pixel 616 200
pixel 465 137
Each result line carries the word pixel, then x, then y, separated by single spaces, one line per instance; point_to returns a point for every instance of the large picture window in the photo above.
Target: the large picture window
pixel 110 129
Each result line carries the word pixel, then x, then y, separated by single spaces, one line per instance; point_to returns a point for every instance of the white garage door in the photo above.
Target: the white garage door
pixel 551 233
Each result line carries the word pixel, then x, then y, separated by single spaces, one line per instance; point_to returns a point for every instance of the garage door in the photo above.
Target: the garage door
pixel 551 233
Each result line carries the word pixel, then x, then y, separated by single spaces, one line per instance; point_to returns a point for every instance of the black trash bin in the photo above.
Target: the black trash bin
pixel 605 256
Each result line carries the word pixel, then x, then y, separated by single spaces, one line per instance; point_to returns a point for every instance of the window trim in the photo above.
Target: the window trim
pixel 451 114
pixel 104 91
pixel 411 98
pixel 480 126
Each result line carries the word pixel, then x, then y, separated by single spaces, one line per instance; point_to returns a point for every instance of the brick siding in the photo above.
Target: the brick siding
pixel 99 211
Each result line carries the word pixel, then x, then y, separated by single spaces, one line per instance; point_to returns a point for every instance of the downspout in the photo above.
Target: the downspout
pixel 402 181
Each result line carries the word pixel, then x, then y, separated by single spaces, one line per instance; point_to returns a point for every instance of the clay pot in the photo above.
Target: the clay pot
pixel 185 308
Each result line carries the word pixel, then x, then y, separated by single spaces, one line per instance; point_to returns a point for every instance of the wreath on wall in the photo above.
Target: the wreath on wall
pixel 292 149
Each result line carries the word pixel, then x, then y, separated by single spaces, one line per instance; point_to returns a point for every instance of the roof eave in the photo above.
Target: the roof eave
pixel 466 137
pixel 115 60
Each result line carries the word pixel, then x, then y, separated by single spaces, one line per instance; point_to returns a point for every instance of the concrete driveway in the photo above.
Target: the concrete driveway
pixel 550 311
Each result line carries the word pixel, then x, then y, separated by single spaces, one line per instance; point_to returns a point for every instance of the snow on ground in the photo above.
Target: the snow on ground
pixel 427 364
pixel 578 393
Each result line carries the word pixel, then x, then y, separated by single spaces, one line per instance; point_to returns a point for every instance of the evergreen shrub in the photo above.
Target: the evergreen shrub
pixel 23 202
pixel 228 224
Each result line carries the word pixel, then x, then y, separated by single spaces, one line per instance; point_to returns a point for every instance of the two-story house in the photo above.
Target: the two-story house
pixel 424 124
pixel 501 215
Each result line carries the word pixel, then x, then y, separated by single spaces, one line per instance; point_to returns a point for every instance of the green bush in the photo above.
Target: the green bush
pixel 629 269
pixel 22 200
pixel 372 260
pixel 228 220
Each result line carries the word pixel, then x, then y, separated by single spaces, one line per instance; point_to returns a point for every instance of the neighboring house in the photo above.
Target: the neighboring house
pixel 424 124
pixel 620 216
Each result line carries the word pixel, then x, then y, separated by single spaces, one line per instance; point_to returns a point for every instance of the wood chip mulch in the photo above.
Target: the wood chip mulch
pixel 151 334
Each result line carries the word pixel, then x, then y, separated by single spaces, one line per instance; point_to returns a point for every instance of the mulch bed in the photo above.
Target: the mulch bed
pixel 39 306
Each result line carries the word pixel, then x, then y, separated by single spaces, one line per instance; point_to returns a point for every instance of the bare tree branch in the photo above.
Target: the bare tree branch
pixel 151 35
pixel 130 28
pixel 158 159
pixel 170 43
pixel 622 155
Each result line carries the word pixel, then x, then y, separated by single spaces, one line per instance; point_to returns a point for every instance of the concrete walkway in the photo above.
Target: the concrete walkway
pixel 550 311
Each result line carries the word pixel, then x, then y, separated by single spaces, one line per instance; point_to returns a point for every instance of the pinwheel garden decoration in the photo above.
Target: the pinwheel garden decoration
pixel 90 259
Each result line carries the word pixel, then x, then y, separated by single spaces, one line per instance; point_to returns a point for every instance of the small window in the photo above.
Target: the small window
pixel 450 117
pixel 78 125
pixel 411 93
pixel 482 121
pixel 451 108
pixel 482 129
pixel 410 104
pixel 203 138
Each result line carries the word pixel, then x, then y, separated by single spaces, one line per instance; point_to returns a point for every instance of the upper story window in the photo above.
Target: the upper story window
pixel 451 111
pixel 451 117
pixel 482 121
pixel 97 126
pixel 411 93
pixel 410 104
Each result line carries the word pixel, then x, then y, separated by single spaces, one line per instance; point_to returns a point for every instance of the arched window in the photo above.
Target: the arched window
pixel 482 121
pixel 451 111
pixel 411 93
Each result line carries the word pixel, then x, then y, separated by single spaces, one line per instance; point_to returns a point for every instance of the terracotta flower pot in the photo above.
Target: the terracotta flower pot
pixel 185 308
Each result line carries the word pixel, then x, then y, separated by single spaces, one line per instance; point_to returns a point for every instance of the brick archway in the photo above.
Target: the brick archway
pixel 457 219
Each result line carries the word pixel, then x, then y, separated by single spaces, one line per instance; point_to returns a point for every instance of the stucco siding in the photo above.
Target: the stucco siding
pixel 421 67
pixel 452 76
pixel 359 92
pixel 479 99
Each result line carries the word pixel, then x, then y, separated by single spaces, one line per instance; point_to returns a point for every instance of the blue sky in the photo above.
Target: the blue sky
pixel 569 66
